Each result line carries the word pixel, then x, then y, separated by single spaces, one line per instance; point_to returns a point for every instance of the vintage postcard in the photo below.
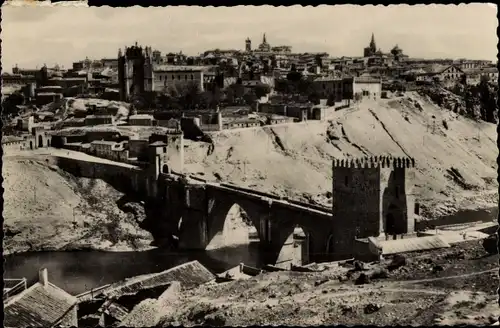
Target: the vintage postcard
pixel 227 166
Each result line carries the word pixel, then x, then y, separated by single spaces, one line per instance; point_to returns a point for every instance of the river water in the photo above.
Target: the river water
pixel 79 271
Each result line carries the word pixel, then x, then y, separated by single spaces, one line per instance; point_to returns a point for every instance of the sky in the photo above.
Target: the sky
pixel 33 36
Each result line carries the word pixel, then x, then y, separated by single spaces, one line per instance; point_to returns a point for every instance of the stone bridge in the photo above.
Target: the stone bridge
pixel 203 208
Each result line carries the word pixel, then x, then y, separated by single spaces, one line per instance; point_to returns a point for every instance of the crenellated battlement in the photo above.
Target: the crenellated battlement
pixel 375 161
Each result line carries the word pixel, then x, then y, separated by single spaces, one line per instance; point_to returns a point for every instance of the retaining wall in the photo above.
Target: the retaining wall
pixel 124 178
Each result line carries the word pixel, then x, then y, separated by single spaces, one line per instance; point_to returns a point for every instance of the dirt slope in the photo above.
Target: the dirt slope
pixel 46 208
pixel 456 160
pixel 464 292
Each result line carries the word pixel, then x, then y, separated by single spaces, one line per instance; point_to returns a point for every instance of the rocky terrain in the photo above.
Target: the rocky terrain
pixel 452 286
pixel 46 208
pixel 455 156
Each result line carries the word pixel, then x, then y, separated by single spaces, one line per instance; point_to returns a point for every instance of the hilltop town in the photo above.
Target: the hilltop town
pixel 367 175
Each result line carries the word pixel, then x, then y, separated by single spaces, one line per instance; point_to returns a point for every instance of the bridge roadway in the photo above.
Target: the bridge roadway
pixel 197 209
pixel 266 197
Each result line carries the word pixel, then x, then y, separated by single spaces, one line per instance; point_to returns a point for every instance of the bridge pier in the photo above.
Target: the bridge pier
pixel 193 231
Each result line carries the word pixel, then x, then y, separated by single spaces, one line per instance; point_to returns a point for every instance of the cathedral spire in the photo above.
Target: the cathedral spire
pixel 264 39
pixel 372 42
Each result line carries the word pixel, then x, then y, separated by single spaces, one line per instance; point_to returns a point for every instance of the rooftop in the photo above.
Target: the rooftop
pixel 190 275
pixel 48 94
pixel 38 306
pixel 175 68
pixel 103 142
pixel 99 116
pixel 141 117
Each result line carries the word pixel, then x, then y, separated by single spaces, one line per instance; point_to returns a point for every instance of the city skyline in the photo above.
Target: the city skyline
pixel 67 34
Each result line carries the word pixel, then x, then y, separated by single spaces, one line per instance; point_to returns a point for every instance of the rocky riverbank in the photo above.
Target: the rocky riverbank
pixel 46 208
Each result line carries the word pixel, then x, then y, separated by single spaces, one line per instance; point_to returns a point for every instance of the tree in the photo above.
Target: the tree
pixel 294 76
pixel 10 103
pixel 262 90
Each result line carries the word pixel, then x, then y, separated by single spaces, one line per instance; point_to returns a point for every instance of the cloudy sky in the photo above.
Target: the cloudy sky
pixel 33 36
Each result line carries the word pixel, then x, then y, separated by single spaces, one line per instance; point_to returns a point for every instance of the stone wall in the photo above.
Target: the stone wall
pixel 138 149
pixel 371 196
pixel 124 178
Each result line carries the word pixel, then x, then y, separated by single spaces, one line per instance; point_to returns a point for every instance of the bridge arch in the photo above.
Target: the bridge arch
pixel 230 223
pixel 295 248
pixel 233 233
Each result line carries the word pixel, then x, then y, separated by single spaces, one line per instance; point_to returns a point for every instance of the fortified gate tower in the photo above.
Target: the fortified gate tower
pixel 372 197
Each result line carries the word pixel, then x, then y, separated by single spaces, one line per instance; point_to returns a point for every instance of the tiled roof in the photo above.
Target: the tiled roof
pixel 175 68
pixel 483 70
pixel 103 142
pixel 189 275
pixel 158 143
pixel 141 117
pixel 38 306
pixel 7 139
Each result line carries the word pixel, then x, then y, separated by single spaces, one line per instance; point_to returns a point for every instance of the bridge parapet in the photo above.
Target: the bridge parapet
pixel 375 162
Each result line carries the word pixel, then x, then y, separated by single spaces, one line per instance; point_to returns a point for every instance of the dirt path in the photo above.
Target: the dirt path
pixel 446 278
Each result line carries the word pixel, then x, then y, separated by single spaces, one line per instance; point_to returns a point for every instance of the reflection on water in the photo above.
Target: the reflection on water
pixel 79 271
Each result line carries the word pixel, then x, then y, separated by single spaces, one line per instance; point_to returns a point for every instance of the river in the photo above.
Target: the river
pixel 79 271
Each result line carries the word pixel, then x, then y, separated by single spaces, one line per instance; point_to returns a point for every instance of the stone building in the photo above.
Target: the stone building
pixel 371 49
pixel 372 197
pixel 367 86
pixel 141 120
pixel 140 75
pixel 91 120
pixel 135 72
pixel 166 76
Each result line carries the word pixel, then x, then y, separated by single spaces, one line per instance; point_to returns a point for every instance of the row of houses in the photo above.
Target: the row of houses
pixel 38 138
pixel 453 73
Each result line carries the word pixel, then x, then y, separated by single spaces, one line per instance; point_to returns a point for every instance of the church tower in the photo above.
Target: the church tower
pixel 248 45
pixel 373 45
pixel 371 49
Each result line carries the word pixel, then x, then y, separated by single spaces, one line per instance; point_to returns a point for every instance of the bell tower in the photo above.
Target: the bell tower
pixel 248 45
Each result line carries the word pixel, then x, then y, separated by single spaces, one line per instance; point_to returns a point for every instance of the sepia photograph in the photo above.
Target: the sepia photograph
pixel 249 165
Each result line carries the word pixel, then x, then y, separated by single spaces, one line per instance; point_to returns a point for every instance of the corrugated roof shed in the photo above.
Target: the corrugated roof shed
pixel 38 306
pixel 412 244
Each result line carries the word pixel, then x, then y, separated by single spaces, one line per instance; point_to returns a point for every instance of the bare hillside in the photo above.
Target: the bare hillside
pixel 46 208
pixel 455 156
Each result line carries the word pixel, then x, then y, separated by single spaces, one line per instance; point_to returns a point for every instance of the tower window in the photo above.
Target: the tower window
pixel 346 180
pixel 397 192
pixel 178 77
pixel 192 77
